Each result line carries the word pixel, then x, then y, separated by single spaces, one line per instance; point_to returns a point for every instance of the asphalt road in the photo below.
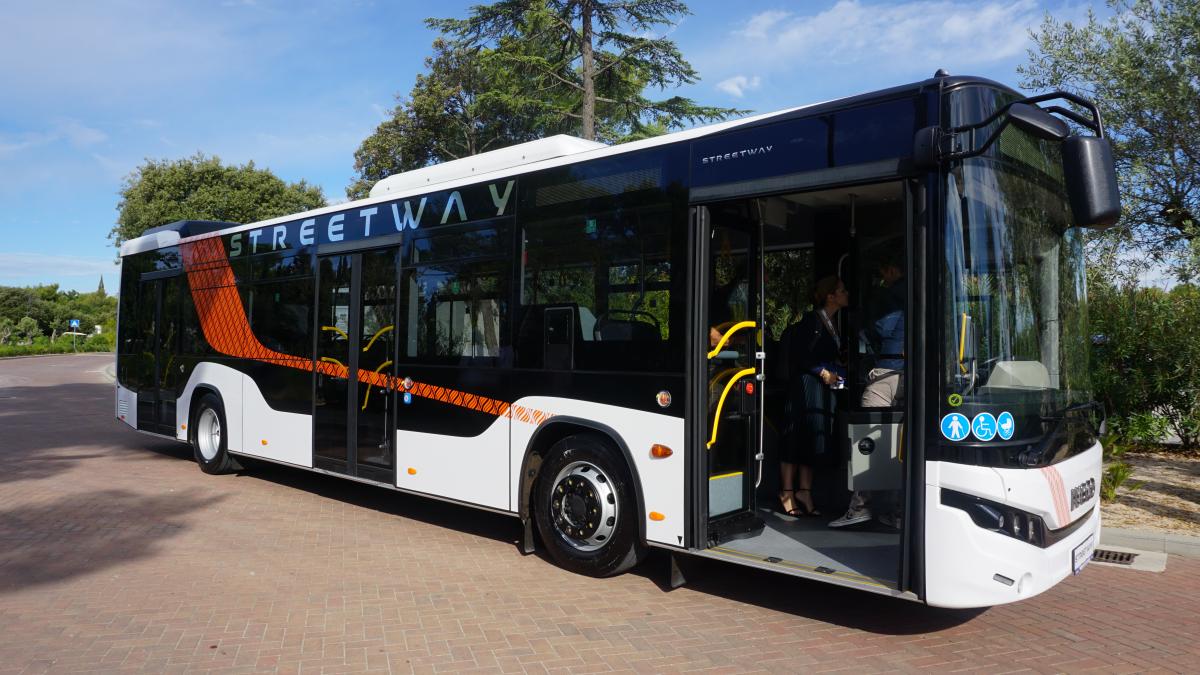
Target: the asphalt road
pixel 117 553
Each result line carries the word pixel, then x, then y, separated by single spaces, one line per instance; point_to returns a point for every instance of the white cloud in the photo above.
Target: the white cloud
pixel 738 85
pixel 79 135
pixel 15 267
pixel 72 131
pixel 758 25
pixel 922 34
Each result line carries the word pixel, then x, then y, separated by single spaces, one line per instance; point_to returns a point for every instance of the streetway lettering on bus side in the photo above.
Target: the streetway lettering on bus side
pixel 449 207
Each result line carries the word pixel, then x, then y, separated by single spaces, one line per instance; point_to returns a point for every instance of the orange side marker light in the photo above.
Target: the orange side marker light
pixel 183 426
pixel 656 516
pixel 264 441
pixel 412 471
pixel 660 451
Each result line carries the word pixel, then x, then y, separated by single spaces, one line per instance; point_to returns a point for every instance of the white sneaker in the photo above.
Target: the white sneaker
pixel 852 517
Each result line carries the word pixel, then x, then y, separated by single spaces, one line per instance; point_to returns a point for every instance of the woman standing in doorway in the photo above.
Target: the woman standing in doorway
pixel 810 350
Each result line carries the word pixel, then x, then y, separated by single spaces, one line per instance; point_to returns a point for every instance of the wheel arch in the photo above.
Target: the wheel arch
pixel 197 394
pixel 554 430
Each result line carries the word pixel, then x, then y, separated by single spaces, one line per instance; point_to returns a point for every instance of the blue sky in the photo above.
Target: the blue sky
pixel 92 89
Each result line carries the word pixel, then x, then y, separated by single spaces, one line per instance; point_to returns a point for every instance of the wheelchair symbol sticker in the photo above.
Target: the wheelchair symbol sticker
pixel 984 426
pixel 955 426
pixel 407 398
pixel 1005 425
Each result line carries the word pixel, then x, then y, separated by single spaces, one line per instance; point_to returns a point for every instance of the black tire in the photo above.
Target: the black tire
pixel 210 444
pixel 576 479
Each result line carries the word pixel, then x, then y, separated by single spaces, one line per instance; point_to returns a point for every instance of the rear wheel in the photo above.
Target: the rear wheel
pixel 210 441
pixel 585 507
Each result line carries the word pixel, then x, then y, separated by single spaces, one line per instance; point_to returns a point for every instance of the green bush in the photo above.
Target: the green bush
pixel 1148 364
pixel 1116 475
pixel 43 345
pixel 1142 428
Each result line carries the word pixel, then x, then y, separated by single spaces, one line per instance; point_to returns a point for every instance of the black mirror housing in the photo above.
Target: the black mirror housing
pixel 1091 180
pixel 1038 122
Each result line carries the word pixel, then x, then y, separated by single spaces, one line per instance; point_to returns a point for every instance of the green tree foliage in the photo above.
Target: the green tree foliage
pixel 1142 67
pixel 595 60
pixel 27 330
pixel 202 188
pixel 465 104
pixel 50 310
pixel 1149 363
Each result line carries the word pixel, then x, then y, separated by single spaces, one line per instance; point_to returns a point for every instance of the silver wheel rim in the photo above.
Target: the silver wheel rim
pixel 583 506
pixel 208 433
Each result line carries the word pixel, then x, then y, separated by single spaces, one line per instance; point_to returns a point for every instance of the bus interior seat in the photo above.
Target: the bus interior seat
pixel 625 330
pixel 531 335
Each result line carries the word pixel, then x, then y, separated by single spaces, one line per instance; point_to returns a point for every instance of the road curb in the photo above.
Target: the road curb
pixel 42 356
pixel 1150 540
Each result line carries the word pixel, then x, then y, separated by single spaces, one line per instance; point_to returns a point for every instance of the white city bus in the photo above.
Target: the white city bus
pixel 591 338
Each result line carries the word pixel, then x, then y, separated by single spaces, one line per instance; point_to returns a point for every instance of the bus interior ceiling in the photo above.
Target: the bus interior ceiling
pixel 848 232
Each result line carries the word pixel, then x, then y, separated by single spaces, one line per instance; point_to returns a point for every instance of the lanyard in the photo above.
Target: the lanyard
pixel 829 326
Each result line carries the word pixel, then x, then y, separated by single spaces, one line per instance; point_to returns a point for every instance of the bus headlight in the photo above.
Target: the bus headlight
pixel 999 518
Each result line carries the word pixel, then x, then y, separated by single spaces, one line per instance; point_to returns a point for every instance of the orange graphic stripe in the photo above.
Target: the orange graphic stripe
pixel 227 330
pixel 1057 494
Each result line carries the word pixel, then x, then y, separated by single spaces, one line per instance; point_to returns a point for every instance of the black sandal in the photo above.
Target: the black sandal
pixel 784 497
pixel 803 508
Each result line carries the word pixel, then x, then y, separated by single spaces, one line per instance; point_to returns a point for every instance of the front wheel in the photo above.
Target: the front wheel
pixel 210 441
pixel 586 509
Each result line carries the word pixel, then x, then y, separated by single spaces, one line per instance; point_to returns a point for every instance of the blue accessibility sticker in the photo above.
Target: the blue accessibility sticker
pixel 984 426
pixel 1005 425
pixel 407 398
pixel 955 426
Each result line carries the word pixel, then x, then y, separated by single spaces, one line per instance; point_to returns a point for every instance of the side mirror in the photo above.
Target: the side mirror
pixel 1091 179
pixel 1033 120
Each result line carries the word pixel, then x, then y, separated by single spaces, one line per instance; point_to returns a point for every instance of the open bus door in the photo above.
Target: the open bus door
pixel 734 361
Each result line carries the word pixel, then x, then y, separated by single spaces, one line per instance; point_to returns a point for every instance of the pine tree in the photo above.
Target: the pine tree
pixel 602 59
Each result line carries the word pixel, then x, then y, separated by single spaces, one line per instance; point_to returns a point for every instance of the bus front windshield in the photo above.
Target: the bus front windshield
pixel 1015 297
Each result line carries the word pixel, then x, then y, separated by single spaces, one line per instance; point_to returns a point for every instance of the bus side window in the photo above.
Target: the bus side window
pixel 454 297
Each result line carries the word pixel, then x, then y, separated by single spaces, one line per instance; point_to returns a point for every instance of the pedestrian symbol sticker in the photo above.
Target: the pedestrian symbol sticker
pixel 984 426
pixel 955 426
pixel 1005 425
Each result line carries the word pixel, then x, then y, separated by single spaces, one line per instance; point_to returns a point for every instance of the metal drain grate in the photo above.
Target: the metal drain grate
pixel 1113 557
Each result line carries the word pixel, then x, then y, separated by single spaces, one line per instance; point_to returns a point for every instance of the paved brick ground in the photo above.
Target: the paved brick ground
pixel 117 553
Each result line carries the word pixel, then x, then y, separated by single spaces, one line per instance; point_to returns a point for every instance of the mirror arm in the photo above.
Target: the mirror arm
pixel 1071 115
pixel 937 145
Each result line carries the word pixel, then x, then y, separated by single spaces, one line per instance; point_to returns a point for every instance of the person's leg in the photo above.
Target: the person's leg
pixel 858 512
pixel 804 491
pixel 787 490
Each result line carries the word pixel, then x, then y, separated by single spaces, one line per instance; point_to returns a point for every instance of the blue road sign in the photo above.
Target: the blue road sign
pixel 74 323
pixel 984 426
pixel 955 426
pixel 407 397
pixel 1005 425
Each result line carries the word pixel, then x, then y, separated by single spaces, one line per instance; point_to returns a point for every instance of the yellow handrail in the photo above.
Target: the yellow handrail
pixel 721 402
pixel 336 329
pixel 962 343
pixel 330 359
pixel 728 334
pixel 367 398
pixel 375 337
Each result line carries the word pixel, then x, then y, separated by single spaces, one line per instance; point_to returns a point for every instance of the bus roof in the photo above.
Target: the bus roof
pixel 517 159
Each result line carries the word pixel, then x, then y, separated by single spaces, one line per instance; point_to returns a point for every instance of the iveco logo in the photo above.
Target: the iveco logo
pixel 737 154
pixel 1083 493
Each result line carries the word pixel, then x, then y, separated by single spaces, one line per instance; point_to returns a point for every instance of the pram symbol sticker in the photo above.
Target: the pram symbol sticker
pixel 1005 425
